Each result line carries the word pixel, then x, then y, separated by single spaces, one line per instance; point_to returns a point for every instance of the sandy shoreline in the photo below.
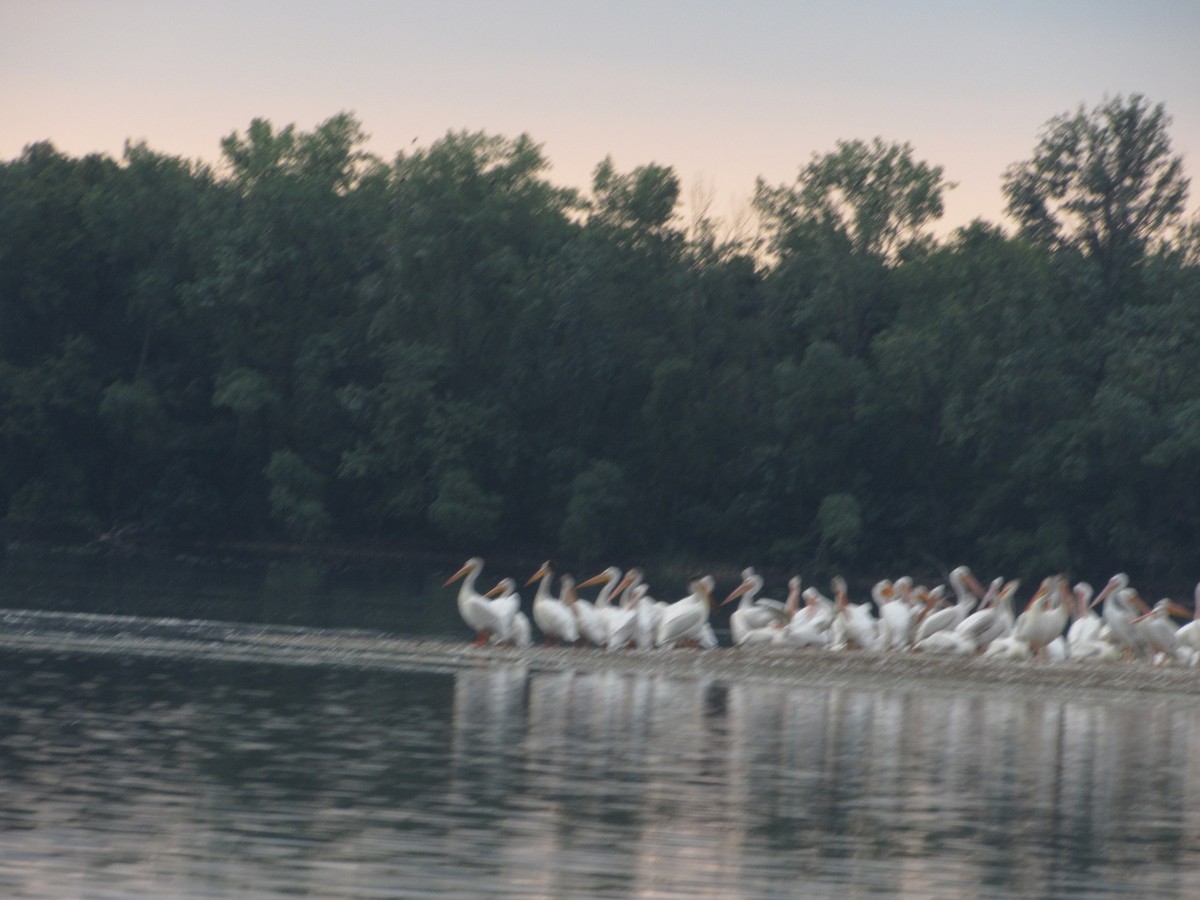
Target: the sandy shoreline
pixel 34 632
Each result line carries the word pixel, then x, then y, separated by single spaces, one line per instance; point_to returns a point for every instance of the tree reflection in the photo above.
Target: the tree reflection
pixel 636 784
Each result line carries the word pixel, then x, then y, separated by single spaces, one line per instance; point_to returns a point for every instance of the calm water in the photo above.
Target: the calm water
pixel 168 778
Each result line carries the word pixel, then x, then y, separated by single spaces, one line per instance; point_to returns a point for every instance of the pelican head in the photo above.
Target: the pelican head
pixel 1118 582
pixel 609 575
pixel 471 565
pixel 504 587
pixel 751 581
pixel 963 580
pixel 545 571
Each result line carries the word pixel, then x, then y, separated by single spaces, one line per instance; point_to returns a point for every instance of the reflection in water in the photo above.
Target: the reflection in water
pixel 646 785
pixel 158 779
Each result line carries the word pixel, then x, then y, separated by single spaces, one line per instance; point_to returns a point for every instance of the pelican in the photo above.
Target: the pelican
pixel 1121 606
pixel 930 602
pixel 1008 647
pixel 895 616
pixel 808 627
pixel 1087 624
pixel 622 625
pixel 484 618
pixel 904 588
pixel 519 633
pixel 554 616
pixel 1094 651
pixel 648 615
pixel 995 619
pixel 684 620
pixel 753 613
pixel 947 641
pixel 1189 634
pixel 1044 617
pixel 646 610
pixel 610 578
pixel 859 626
pixel 1158 631
pixel 967 592
pixel 771 633
pixel 593 623
pixel 821 610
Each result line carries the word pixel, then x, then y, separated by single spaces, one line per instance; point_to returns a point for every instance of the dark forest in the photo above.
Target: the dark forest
pixel 307 343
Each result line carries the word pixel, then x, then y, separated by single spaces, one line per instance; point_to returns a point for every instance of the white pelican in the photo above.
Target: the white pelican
pixel 1189 635
pixel 1094 651
pixel 519 633
pixel 593 624
pixel 967 591
pixel 810 626
pixel 1044 617
pixel 904 588
pixel 480 613
pixel 1159 631
pixel 554 616
pixel 608 579
pixel 1087 624
pixel 706 638
pixel 821 610
pixel 947 641
pixel 1121 606
pixel 647 612
pixel 995 619
pixel 859 626
pixel 1008 647
pixel 771 634
pixel 753 613
pixel 895 616
pixel 1056 650
pixel 684 620
pixel 925 603
pixel 622 625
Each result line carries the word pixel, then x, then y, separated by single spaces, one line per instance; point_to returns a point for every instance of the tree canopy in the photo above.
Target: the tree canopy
pixel 306 341
pixel 1102 181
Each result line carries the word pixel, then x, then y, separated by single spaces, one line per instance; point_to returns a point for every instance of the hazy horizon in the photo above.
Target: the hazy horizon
pixel 722 93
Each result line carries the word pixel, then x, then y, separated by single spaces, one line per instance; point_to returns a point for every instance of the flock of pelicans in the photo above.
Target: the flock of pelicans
pixel 1059 622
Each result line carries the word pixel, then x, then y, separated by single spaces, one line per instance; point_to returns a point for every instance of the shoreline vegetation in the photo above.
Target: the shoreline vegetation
pixel 306 347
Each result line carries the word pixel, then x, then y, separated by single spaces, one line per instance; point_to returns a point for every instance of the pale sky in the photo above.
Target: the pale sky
pixel 720 91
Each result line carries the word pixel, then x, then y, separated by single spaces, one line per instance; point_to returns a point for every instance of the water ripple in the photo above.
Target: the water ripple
pixel 163 777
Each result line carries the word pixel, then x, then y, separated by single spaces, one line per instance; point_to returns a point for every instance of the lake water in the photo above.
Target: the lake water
pixel 173 778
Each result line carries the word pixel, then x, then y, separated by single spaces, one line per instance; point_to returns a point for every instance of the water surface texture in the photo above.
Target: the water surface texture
pixel 170 778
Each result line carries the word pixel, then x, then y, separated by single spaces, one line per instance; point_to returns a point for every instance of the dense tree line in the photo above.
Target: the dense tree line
pixel 305 340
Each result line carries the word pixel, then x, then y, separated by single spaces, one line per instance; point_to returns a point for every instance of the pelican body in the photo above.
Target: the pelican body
pixel 484 616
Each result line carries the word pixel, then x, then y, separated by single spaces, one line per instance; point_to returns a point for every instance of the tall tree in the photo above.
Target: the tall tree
pixel 289 256
pixel 838 232
pixel 876 196
pixel 1104 181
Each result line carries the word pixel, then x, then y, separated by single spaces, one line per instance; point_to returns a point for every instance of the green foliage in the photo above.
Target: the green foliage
pixel 462 511
pixel 134 412
pixel 595 525
pixel 295 495
pixel 874 196
pixel 1103 181
pixel 244 391
pixel 309 341
pixel 839 525
pixel 643 199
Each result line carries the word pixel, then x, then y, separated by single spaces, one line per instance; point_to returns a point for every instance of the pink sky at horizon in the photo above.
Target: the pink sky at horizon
pixel 721 92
